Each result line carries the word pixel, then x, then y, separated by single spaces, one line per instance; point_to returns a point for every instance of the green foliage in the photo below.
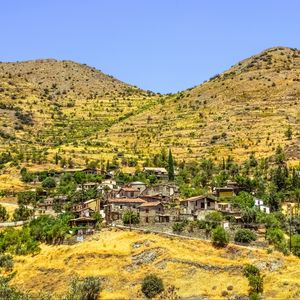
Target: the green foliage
pixel 255 280
pixel 220 237
pixel 11 293
pixel 49 229
pixel 243 200
pixel 22 213
pixel 152 286
pixel 170 166
pixel 178 227
pixel 26 197
pixel 6 262
pixel 18 242
pixel 296 244
pixel 3 214
pixel 214 218
pixel 130 217
pixel 269 220
pixel 289 133
pixel 87 288
pixel 244 236
pixel 49 183
pixel 275 236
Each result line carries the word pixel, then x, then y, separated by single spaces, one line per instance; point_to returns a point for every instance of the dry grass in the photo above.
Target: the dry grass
pixel 109 255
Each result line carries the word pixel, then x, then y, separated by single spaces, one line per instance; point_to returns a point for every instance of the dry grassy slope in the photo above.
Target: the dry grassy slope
pixel 68 102
pixel 247 108
pixel 195 268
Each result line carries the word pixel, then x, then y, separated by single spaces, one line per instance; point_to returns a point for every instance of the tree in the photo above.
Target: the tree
pixel 279 155
pixel 152 286
pixel 49 183
pixel 220 237
pixel 170 166
pixel 3 214
pixel 22 213
pixel 214 218
pixel 254 278
pixel 130 217
pixel 289 133
pixel 87 288
pixel 243 200
pixel 244 236
pixel 296 244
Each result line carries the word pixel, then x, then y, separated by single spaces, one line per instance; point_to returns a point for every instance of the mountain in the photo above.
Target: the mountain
pixel 85 113
pixel 247 108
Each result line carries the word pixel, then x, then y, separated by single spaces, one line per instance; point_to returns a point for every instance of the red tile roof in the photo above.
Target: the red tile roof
pixel 150 204
pixel 126 200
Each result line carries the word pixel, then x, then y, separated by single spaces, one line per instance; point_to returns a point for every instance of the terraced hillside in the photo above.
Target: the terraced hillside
pixel 247 108
pixel 122 259
pixel 48 105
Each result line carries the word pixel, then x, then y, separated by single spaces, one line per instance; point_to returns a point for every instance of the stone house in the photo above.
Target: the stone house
pixel 195 207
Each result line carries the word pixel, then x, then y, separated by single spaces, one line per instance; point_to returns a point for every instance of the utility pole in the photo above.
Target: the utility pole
pixel 290 229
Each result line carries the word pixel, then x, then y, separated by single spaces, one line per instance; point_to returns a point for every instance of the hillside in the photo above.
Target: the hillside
pixel 123 259
pixel 247 108
pixel 49 106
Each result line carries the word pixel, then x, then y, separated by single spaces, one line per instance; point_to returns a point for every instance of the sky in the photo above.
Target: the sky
pixel 159 45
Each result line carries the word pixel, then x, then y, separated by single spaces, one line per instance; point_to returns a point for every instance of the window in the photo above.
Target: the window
pixel 202 205
pixel 147 211
pixel 121 206
pixel 147 220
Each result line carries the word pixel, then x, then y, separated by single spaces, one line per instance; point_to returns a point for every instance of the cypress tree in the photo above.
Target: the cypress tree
pixel 170 166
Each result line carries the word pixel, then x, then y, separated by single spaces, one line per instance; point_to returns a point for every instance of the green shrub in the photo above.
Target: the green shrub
pixel 3 214
pixel 152 285
pixel 296 244
pixel 244 236
pixel 87 288
pixel 255 280
pixel 275 236
pixel 6 262
pixel 49 183
pixel 178 227
pixel 130 217
pixel 220 237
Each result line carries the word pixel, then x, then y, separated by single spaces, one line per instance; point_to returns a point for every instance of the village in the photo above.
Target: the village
pixel 149 206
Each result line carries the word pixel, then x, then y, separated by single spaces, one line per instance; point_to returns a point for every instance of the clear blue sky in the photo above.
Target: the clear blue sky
pixel 160 45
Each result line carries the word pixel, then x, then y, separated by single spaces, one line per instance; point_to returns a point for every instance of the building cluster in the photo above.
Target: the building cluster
pixel 153 204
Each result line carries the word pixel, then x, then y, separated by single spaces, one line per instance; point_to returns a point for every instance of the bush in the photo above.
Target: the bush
pixel 87 288
pixel 152 285
pixel 22 213
pixel 244 236
pixel 49 183
pixel 3 214
pixel 178 227
pixel 255 281
pixel 130 217
pixel 6 262
pixel 214 218
pixel 296 244
pixel 275 236
pixel 220 237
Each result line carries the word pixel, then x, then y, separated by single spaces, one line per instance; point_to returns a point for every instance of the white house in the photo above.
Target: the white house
pixel 259 203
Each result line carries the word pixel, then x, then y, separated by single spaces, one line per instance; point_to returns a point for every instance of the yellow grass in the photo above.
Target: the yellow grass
pixel 109 253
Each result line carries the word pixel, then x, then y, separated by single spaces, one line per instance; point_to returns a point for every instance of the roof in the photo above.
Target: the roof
pixel 153 169
pixel 126 200
pixel 83 219
pixel 137 183
pixel 200 197
pixel 90 201
pixel 150 204
pixel 129 189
